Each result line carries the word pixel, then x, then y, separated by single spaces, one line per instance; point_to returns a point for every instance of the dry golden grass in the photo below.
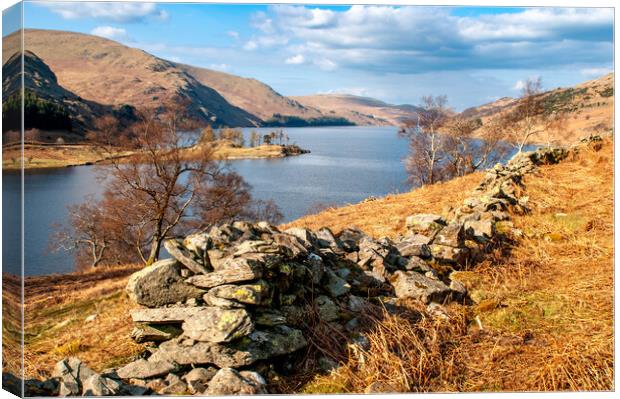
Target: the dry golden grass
pixel 546 307
pixel 385 217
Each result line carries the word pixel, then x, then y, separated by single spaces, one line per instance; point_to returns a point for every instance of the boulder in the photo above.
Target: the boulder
pixel 418 286
pixel 146 369
pixel 451 235
pixel 306 236
pixel 160 284
pixel 189 259
pixel 154 332
pixel 257 293
pixel 174 314
pixel 72 374
pixel 229 381
pixel 424 224
pixel 97 385
pixel 198 378
pixel 214 324
pixel 233 270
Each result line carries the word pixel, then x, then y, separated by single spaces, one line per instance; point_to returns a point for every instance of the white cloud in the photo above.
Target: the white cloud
pixel 233 34
pixel 595 72
pixel 110 32
pixel 419 39
pixel 219 67
pixel 295 60
pixel 519 85
pixel 115 12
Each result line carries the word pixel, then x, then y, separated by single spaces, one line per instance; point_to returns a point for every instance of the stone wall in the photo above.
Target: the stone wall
pixel 235 300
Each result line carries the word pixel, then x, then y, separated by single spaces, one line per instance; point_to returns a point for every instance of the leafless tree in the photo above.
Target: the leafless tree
pixel 528 117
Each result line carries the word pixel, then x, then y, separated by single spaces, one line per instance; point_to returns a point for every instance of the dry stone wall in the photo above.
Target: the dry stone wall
pixel 235 298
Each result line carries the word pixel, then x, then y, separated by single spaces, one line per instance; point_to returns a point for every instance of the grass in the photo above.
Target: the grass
pixel 542 317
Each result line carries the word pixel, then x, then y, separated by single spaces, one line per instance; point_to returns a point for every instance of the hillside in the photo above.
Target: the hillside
pixel 132 76
pixel 589 107
pixel 360 110
pixel 41 85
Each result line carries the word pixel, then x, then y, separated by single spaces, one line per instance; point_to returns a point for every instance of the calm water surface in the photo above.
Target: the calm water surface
pixel 347 164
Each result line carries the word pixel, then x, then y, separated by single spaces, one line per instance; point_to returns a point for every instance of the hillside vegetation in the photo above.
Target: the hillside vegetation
pixel 542 316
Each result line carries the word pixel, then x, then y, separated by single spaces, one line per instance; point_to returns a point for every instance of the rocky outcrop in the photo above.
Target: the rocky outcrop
pixel 235 300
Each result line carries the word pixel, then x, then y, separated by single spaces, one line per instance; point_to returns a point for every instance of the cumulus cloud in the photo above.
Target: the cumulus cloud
pixel 116 12
pixel 233 34
pixel 420 39
pixel 295 60
pixel 595 72
pixel 219 67
pixel 110 32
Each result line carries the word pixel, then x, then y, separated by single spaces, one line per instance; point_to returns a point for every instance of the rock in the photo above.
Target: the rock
pixel 199 244
pixel 307 237
pixel 350 238
pixel 90 318
pixel 479 230
pixel 175 314
pixel 450 235
pixel 268 317
pixel 224 234
pixel 174 385
pixel 253 294
pixel 211 299
pixel 214 324
pixel 444 253
pixel 97 385
pixel 146 369
pixel 459 291
pixel 294 246
pixel 327 364
pixel 417 264
pixel 154 332
pixel 233 270
pixel 335 285
pixel 197 379
pixel 327 239
pixel 72 374
pixel 357 304
pixel 437 311
pixel 256 246
pixel 424 224
pixel 265 227
pixel 187 258
pixel 229 381
pixel 160 284
pixel 417 286
pixel 317 267
pixel 380 387
pixel 414 245
pixel 328 310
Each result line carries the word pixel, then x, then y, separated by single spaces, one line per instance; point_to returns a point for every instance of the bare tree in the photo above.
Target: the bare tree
pixel 527 118
pixel 424 163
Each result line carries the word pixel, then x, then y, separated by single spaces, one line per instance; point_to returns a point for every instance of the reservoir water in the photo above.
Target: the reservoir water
pixel 346 165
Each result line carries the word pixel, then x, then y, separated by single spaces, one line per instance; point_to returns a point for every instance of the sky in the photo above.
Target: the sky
pixel 397 54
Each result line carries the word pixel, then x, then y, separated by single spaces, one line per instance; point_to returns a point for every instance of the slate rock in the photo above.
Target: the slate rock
pixel 229 381
pixel 418 286
pixel 233 270
pixel 97 385
pixel 213 324
pixel 142 369
pixel 424 224
pixel 72 374
pixel 160 284
pixel 154 332
pixel 173 314
pixel 189 259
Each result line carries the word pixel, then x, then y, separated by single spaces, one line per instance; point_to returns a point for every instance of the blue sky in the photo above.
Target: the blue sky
pixel 397 54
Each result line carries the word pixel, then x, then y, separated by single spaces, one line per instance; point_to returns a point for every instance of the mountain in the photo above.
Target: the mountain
pixel 589 107
pixel 110 73
pixel 48 103
pixel 360 110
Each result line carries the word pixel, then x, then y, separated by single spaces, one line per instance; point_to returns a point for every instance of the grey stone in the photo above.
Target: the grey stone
pixel 174 385
pixel 187 258
pixel 451 235
pixel 335 285
pixel 229 381
pixel 328 310
pixel 293 246
pixel 146 369
pixel 175 314
pixel 160 284
pixel 424 224
pixel 417 286
pixel 233 270
pixel 154 332
pixel 444 253
pixel 254 294
pixel 198 378
pixel 479 230
pixel 214 324
pixel 356 303
pixel 72 374
pixel 350 238
pixel 327 239
pixel 417 264
pixel 268 317
pixel 414 245
pixel 306 236
pixel 97 385
pixel 317 267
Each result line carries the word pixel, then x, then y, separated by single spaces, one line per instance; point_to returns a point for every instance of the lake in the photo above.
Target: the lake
pixel 346 165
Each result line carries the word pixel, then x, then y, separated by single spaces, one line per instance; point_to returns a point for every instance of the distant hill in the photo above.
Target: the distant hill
pixel 47 103
pixel 110 73
pixel 358 109
pixel 589 107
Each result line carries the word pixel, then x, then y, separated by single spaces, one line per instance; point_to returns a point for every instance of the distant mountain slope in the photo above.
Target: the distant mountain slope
pixel 41 84
pixel 588 105
pixel 250 94
pixel 361 110
pixel 110 73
